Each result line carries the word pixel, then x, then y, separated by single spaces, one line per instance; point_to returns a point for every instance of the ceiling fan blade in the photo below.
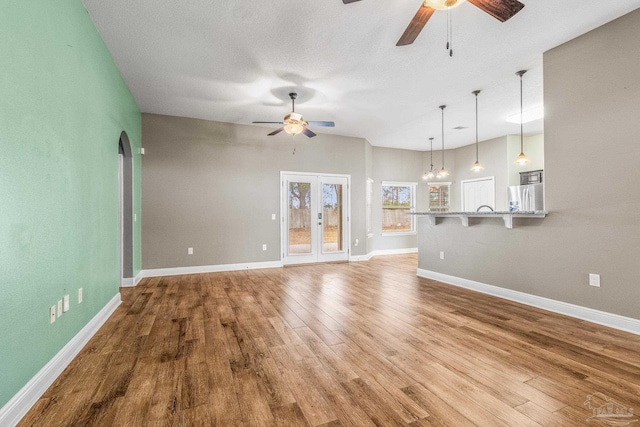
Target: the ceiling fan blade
pixel 277 131
pixel 502 10
pixel 308 132
pixel 325 124
pixel 269 123
pixel 416 25
pixel 349 1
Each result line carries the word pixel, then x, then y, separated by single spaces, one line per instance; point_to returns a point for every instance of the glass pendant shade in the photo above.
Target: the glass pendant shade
pixel 443 173
pixel 522 159
pixel 477 167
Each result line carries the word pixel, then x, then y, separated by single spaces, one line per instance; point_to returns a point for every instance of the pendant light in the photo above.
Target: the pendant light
pixel 477 167
pixel 522 159
pixel 430 173
pixel 443 172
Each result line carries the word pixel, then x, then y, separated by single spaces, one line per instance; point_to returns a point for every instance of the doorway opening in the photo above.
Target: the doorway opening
pixel 315 217
pixel 125 189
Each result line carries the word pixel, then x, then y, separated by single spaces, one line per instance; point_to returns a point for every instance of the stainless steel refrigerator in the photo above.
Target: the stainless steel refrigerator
pixel 526 197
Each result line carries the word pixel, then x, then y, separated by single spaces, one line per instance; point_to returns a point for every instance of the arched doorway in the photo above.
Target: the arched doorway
pixel 125 181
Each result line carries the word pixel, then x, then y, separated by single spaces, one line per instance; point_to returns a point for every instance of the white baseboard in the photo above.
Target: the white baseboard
pixel 611 320
pixel 19 405
pixel 137 279
pixel 209 268
pixel 357 258
pixel 127 282
pixel 367 257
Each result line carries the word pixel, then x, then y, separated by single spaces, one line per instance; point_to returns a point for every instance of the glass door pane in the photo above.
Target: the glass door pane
pixel 332 232
pixel 300 221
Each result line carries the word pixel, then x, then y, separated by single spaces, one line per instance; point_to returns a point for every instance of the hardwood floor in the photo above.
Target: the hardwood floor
pixel 361 344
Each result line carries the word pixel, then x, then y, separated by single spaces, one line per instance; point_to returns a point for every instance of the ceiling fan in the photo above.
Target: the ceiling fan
pixel 294 123
pixel 502 10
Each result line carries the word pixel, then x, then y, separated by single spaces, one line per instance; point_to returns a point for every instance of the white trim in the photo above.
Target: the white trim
pixel 436 183
pixel 127 282
pixel 157 272
pixel 13 411
pixel 398 233
pixel 611 320
pixel 367 257
pixel 138 277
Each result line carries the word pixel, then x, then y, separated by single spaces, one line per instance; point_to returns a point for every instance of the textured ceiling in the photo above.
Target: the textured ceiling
pixel 235 61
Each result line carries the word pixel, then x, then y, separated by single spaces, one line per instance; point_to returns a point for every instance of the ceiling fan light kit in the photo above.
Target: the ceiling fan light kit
pixel 502 10
pixel 293 123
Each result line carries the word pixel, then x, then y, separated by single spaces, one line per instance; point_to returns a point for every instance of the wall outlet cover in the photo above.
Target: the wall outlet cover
pixel 189 251
pixel 441 254
pixel 52 314
pixel 594 280
pixel 264 247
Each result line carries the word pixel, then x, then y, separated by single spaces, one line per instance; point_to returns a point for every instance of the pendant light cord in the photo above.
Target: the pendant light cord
pixel 476 94
pixel 521 73
pixel 442 107
pixel 431 151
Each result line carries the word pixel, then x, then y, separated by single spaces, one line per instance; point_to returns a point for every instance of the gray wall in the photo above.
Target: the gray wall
pixel 213 186
pixel 391 164
pixel 592 105
pixel 493 156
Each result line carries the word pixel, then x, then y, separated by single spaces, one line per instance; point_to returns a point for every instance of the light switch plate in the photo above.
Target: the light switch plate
pixel 79 295
pixel 189 251
pixel 65 303
pixel 594 280
pixel 441 254
pixel 52 314
pixel 59 308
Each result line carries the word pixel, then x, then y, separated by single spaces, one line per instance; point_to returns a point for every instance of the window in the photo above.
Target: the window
pixel 398 199
pixel 439 196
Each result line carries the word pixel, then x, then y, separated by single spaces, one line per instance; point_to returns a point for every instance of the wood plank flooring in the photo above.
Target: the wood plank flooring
pixel 361 344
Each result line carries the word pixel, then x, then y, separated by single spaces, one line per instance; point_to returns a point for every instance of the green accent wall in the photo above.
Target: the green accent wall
pixel 63 105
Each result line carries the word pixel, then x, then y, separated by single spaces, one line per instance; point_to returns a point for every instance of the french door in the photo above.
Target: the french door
pixel 315 218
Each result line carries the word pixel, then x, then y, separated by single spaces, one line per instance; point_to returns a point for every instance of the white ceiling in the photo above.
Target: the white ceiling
pixel 236 61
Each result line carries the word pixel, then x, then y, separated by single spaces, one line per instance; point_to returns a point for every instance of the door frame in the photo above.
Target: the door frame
pixel 486 178
pixel 283 210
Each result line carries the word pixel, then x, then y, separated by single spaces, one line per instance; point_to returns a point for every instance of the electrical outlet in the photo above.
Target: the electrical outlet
pixel 441 254
pixel 594 280
pixel 189 251
pixel 264 247
pixel 79 295
pixel 59 308
pixel 52 314
pixel 65 303
pixel 273 217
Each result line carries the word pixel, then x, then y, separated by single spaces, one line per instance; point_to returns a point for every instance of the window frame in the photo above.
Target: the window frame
pixel 413 187
pixel 439 184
